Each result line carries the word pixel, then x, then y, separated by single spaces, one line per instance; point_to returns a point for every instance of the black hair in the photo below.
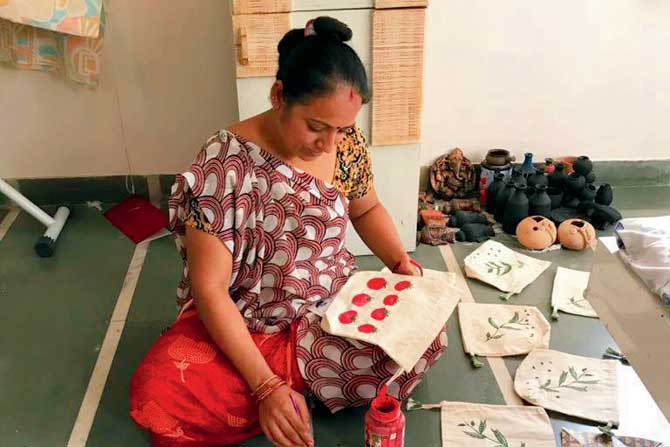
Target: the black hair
pixel 312 65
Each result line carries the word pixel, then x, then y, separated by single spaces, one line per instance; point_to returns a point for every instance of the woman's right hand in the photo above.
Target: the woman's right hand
pixel 280 420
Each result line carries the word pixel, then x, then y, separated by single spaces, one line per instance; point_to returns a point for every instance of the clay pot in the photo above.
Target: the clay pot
pixel 604 195
pixel 475 232
pixel 568 161
pixel 499 157
pixel 577 234
pixel 583 165
pixel 538 179
pixel 518 177
pixel 493 190
pixel 501 200
pixel 556 196
pixel 560 215
pixel 549 166
pixel 575 183
pixel 460 218
pixel 588 193
pixel 539 203
pixel 570 201
pixel 536 232
pixel 558 177
pixel 590 177
pixel 600 216
pixel 527 168
pixel 515 210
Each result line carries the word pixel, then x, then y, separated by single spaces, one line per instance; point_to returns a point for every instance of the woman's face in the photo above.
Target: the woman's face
pixel 312 129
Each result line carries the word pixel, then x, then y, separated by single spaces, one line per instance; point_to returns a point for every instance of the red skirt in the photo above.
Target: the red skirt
pixel 187 393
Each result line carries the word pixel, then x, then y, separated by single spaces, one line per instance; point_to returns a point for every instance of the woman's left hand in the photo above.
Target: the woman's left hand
pixel 408 266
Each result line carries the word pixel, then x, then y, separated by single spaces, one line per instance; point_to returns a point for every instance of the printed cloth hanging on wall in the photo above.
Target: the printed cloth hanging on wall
pixel 481 425
pixel 568 293
pixel 505 269
pixel 570 438
pixel 63 36
pixel 569 384
pixel 400 314
pixel 497 330
pixel 644 244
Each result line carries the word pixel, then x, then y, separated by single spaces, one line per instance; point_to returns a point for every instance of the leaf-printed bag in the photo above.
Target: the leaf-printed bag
pixel 481 425
pixel 568 293
pixel 497 330
pixel 400 314
pixel 505 269
pixel 570 384
pixel 570 438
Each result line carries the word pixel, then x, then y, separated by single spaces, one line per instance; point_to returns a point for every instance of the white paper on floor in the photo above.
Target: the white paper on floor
pixel 497 330
pixel 481 425
pixel 401 314
pixel 505 269
pixel 568 293
pixel 570 384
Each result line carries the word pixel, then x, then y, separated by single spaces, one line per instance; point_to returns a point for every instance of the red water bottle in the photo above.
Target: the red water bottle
pixel 384 422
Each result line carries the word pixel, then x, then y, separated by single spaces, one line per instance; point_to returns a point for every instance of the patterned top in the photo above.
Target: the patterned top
pixel 284 228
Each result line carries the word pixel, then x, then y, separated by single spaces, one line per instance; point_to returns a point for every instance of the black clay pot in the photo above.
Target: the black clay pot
pixel 460 218
pixel 559 215
pixel 556 196
pixel 475 232
pixel 583 165
pixel 530 190
pixel 538 179
pixel 540 202
pixel 600 216
pixel 558 177
pixel 492 191
pixel 516 209
pixel 518 177
pixel 590 177
pixel 574 184
pixel 570 201
pixel 604 195
pixel 588 193
pixel 501 200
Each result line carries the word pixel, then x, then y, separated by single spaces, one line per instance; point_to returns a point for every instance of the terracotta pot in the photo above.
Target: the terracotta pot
pixel 577 234
pixel 567 162
pixel 536 232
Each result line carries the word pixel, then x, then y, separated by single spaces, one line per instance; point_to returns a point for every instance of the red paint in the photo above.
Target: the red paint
pixel 384 422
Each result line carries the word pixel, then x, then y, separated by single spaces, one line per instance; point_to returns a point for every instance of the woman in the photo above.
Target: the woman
pixel 260 219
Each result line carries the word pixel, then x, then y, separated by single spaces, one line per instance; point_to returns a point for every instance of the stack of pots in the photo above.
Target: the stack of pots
pixel 557 195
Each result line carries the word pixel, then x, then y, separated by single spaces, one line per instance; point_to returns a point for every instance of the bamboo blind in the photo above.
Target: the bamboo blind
pixel 385 4
pixel 260 6
pixel 256 39
pixel 397 75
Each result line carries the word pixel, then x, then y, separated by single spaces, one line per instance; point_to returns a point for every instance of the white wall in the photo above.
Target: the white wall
pixel 575 76
pixel 553 77
pixel 167 83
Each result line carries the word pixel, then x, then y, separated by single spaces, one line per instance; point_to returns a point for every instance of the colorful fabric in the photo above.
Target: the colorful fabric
pixel 285 230
pixel 76 58
pixel 76 17
pixel 185 391
pixel 354 174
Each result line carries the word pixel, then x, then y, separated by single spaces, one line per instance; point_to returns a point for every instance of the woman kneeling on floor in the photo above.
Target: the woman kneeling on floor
pixel 260 220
